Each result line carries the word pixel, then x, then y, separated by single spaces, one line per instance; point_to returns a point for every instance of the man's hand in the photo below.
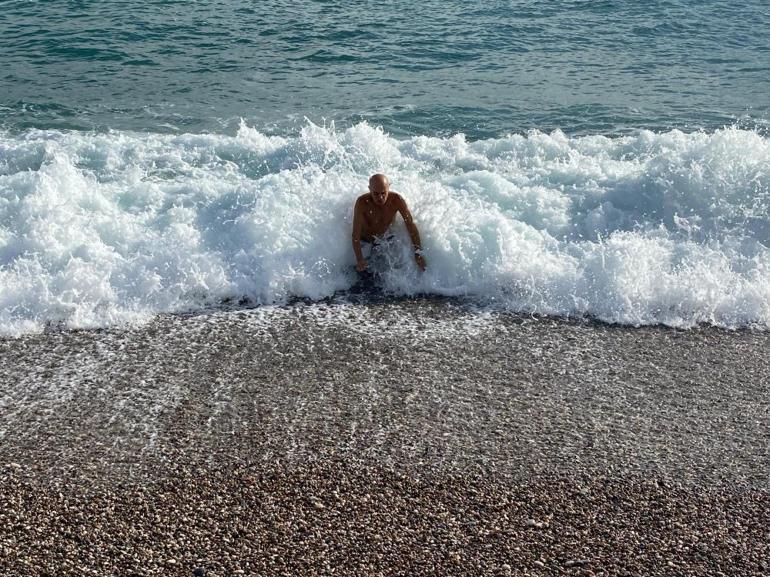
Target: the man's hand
pixel 419 260
pixel 361 265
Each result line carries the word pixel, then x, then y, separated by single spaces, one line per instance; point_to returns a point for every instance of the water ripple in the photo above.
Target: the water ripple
pixel 499 68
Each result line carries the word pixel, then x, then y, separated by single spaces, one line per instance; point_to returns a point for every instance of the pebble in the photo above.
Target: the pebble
pixel 534 524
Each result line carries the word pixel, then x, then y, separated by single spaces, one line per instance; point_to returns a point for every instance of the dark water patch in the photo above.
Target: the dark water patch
pixel 327 57
pixel 141 62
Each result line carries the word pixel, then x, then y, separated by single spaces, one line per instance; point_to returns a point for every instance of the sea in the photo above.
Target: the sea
pixel 604 159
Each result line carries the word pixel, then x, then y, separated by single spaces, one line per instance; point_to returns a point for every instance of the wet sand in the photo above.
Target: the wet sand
pixel 402 438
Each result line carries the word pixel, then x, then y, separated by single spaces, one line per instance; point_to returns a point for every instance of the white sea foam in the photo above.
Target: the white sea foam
pixel 102 229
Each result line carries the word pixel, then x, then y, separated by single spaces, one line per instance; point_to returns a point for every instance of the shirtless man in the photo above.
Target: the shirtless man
pixel 374 213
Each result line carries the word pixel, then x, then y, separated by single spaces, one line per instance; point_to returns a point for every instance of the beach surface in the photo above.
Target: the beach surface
pixel 396 437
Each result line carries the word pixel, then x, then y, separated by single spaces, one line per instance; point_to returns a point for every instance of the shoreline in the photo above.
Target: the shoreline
pixel 408 438
pixel 408 382
pixel 375 298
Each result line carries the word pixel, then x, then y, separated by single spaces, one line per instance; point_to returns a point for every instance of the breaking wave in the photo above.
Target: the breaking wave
pixel 113 228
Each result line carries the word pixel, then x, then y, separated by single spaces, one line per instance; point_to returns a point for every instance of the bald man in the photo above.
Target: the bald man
pixel 373 214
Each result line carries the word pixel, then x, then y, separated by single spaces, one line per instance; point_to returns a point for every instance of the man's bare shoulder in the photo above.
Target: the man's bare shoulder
pixel 365 197
pixel 395 198
pixel 398 200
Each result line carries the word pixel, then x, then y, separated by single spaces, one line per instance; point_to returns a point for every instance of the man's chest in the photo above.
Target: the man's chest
pixel 375 214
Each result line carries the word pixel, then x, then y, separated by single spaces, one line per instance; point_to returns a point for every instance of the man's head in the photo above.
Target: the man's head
pixel 379 187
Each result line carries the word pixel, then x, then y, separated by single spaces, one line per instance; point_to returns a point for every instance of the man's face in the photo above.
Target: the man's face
pixel 379 190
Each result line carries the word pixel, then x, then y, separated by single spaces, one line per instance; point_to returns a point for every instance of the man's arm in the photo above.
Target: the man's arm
pixel 413 232
pixel 358 224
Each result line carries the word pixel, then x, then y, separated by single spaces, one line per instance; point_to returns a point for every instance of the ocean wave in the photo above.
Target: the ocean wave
pixel 111 228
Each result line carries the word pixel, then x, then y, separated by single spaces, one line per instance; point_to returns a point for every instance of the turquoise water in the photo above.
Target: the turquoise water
pixel 432 68
pixel 604 159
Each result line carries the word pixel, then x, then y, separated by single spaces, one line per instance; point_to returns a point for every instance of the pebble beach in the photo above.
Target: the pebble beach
pixel 195 381
pixel 402 437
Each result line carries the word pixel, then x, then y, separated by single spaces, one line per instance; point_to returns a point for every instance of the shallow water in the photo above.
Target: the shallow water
pixel 416 385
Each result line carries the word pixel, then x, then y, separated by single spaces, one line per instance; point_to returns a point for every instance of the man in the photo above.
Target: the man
pixel 374 213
